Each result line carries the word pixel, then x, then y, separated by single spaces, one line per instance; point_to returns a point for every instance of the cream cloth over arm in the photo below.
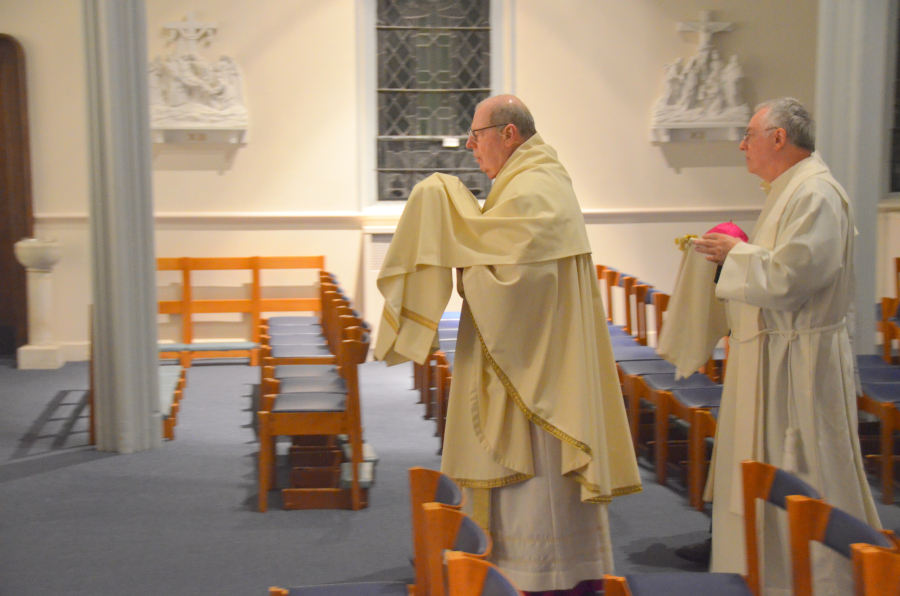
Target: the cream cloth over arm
pixel 695 320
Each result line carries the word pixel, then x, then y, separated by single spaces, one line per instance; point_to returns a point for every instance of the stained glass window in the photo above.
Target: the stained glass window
pixel 433 69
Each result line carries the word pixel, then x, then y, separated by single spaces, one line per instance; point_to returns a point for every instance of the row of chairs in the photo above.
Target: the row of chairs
pixel 171 381
pixel 450 550
pixel 432 379
pixel 309 391
pixel 657 403
pixel 441 532
pixel 653 397
pixel 876 554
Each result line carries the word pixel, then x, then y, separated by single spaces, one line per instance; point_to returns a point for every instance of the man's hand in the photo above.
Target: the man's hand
pixel 715 246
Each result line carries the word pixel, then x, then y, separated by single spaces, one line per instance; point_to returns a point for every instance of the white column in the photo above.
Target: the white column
pixel 853 98
pixel 122 253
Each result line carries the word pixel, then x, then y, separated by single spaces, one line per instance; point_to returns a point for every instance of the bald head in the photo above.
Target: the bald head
pixel 501 124
pixel 509 109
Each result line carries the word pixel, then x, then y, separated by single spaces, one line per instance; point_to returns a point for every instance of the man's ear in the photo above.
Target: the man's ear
pixel 780 138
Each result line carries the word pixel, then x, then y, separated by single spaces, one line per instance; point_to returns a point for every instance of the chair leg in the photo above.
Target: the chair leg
pixel 265 464
pixel 661 432
pixel 355 464
pixel 887 458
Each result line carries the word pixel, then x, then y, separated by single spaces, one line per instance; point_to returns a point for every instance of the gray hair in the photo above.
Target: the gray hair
pixel 789 114
pixel 514 113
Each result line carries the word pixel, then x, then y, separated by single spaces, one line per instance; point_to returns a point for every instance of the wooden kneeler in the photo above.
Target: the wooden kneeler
pixel 305 414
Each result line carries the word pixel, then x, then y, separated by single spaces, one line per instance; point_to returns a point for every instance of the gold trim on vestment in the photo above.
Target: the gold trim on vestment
pixel 414 316
pixel 391 319
pixel 616 492
pixel 481 508
pixel 511 390
pixel 496 483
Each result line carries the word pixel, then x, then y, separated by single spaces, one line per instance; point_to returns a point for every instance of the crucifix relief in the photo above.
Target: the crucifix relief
pixel 194 99
pixel 706 27
pixel 702 96
pixel 188 32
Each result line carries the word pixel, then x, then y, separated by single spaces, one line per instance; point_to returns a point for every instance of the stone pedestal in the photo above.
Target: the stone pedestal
pixel 39 257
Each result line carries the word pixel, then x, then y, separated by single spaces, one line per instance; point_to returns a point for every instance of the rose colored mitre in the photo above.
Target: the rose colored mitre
pixel 730 229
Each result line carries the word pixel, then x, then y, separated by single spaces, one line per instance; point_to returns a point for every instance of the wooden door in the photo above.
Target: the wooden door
pixel 16 218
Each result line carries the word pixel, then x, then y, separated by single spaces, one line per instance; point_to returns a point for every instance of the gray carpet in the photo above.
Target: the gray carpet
pixel 181 519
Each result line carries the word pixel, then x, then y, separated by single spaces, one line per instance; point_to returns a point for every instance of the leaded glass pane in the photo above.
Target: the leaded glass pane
pixel 433 69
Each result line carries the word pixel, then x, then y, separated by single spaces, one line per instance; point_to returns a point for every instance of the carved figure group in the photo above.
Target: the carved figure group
pixel 703 90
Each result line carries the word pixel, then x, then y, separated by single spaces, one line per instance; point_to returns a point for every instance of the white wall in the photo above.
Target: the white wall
pixel 589 70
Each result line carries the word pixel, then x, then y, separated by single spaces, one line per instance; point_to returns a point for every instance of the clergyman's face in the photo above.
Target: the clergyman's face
pixel 758 145
pixel 487 145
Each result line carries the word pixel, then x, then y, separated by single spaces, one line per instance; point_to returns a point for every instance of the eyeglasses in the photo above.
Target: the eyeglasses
pixel 748 134
pixel 473 131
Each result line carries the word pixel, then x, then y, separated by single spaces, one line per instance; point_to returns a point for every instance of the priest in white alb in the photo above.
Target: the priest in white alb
pixel 790 395
pixel 536 428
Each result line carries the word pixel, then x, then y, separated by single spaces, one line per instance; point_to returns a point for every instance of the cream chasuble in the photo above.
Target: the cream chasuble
pixel 533 351
pixel 789 397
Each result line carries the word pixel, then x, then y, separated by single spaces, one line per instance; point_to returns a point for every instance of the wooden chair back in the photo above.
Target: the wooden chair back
pixel 876 570
pixel 813 519
pixel 427 486
pixel 472 576
pixel 762 481
pixel 447 528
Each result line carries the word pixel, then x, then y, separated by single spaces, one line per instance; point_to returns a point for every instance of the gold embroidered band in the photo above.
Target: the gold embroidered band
pixel 390 318
pixel 423 321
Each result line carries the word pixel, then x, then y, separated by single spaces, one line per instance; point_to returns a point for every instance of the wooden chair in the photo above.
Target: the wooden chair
pixel 447 528
pixel 876 570
pixel 301 414
pixel 761 481
pixel 427 486
pixel 811 519
pixel 882 400
pixel 610 279
pixel 703 427
pixel 444 375
pixel 472 576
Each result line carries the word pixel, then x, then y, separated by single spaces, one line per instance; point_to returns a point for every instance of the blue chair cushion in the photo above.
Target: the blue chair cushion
pixel 881 374
pixel 165 347
pixel 786 484
pixel 623 341
pixel 448 345
pixel 451 324
pixel 634 353
pixel 699 397
pixel 288 371
pixel 310 402
pixel 646 367
pixel 447 333
pixel 667 382
pixel 297 339
pixel 324 384
pixel 450 357
pixel 870 361
pixel 888 393
pixel 617 331
pixel 301 351
pixel 843 530
pixel 222 346
pixel 447 491
pixel 294 320
pixel 687 584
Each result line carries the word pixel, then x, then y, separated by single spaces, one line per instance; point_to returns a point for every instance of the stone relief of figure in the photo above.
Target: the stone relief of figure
pixel 186 88
pixel 731 76
pixel 673 83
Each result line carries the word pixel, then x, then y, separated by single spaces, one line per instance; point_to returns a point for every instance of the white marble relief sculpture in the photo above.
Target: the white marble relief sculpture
pixel 703 98
pixel 187 91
